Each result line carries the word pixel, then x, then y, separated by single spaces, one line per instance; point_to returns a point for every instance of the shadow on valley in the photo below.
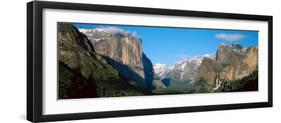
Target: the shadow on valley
pixel 73 85
pixel 127 72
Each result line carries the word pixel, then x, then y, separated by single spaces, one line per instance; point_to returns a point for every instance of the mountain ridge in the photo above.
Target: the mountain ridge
pixel 83 73
pixel 125 53
pixel 230 63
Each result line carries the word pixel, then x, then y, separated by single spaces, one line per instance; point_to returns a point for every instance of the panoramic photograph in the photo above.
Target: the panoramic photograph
pixel 106 60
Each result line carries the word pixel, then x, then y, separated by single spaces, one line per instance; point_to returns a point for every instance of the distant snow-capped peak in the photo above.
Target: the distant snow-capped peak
pixel 162 69
pixel 195 60
pixel 189 65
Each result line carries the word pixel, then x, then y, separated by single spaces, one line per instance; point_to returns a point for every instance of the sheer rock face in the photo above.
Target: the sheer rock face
pixel 205 71
pixel 230 64
pixel 124 52
pixel 190 70
pixel 122 48
pixel 240 65
pixel 83 73
pixel 228 55
pixel 76 51
pixel 148 72
pixel 250 61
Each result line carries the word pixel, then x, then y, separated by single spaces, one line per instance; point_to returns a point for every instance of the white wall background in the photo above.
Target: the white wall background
pixel 13 61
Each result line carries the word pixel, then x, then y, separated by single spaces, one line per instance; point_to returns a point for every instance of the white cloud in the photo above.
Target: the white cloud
pixel 115 30
pixel 230 37
pixel 112 30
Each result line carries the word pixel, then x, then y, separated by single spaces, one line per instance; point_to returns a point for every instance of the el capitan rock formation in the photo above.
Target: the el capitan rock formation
pixel 124 52
pixel 83 73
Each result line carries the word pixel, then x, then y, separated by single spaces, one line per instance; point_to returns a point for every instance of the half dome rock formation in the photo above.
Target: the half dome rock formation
pixel 185 70
pixel 124 52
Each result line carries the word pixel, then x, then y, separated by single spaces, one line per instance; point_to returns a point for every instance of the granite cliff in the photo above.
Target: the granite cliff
pixel 231 63
pixel 124 52
pixel 84 73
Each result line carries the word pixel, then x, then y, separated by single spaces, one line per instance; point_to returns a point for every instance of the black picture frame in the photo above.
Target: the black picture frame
pixel 34 60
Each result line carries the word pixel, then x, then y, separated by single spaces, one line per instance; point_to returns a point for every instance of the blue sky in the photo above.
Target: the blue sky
pixel 168 45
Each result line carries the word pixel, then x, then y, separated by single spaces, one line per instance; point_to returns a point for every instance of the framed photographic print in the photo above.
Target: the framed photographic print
pixel 95 61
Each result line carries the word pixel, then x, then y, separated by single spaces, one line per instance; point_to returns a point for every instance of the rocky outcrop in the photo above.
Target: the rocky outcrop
pixel 240 64
pixel 124 49
pixel 124 52
pixel 190 69
pixel 158 84
pixel 228 55
pixel 148 72
pixel 231 63
pixel 206 72
pixel 250 61
pixel 83 73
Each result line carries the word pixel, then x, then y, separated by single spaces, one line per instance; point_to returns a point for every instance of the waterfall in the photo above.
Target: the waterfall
pixel 217 82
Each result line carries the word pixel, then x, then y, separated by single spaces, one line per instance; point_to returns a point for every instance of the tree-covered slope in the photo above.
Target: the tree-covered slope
pixel 83 73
